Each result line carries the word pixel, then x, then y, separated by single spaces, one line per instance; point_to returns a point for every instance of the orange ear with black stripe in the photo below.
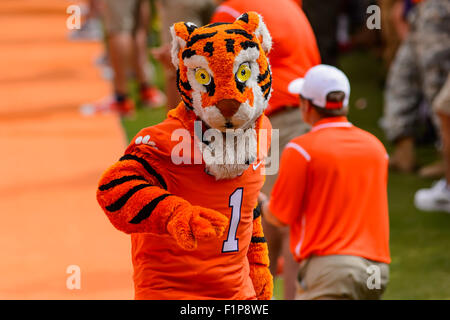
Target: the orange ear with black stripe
pixel 180 32
pixel 253 22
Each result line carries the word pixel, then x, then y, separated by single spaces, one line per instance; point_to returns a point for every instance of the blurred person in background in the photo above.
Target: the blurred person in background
pixel 126 26
pixel 91 29
pixel 323 16
pixel 415 77
pixel 294 51
pixel 170 11
pixel 332 191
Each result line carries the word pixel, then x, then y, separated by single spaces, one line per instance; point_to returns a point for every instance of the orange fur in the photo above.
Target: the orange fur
pixel 258 257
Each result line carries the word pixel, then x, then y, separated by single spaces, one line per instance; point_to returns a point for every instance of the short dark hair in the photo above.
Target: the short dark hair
pixel 333 96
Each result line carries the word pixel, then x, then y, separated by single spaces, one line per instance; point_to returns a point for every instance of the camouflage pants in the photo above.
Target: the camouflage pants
pixel 420 68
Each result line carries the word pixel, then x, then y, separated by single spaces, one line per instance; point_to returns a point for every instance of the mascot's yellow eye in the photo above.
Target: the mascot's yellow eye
pixel 202 76
pixel 243 73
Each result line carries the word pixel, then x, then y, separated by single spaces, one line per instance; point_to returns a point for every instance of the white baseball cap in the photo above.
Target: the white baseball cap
pixel 318 82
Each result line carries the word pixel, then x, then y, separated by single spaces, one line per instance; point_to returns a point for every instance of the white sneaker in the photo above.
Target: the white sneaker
pixel 436 198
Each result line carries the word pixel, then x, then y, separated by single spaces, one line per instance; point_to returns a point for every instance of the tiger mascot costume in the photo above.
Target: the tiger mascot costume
pixel 195 227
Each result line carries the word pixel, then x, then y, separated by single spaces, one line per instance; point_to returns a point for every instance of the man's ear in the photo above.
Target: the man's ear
pixel 253 22
pixel 180 32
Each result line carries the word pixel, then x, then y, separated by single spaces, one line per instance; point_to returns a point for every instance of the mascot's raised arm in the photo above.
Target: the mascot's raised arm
pixel 186 189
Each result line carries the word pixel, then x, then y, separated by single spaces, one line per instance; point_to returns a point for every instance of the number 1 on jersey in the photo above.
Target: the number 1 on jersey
pixel 231 244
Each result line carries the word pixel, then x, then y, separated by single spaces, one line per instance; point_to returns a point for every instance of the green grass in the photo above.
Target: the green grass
pixel 419 241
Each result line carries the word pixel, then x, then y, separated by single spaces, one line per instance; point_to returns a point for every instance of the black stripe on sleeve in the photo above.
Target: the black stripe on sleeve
pixel 147 210
pixel 116 182
pixel 256 212
pixel 147 167
pixel 123 199
pixel 258 240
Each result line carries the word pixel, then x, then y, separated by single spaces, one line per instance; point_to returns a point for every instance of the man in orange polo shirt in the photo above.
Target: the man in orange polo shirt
pixel 332 191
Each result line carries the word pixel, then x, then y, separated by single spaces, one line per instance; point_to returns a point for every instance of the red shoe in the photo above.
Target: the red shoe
pixel 125 108
pixel 152 97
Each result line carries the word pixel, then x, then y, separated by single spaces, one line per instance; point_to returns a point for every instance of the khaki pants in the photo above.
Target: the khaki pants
pixel 341 277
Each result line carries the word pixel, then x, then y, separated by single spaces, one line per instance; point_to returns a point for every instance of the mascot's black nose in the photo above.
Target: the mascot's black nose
pixel 228 107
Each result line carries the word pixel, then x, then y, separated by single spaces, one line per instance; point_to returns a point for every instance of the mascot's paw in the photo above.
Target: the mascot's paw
pixel 192 223
pixel 262 281
pixel 208 223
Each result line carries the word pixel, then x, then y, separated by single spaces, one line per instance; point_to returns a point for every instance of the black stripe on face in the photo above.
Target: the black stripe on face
pixel 188 53
pixel 209 48
pixel 248 44
pixel 239 85
pixel 258 240
pixel 263 76
pixel 244 17
pixel 215 24
pixel 211 87
pixel 198 37
pixel 147 167
pixel 230 45
pixel 241 32
pixel 123 199
pixel 147 210
pixel 186 86
pixel 267 87
pixel 119 181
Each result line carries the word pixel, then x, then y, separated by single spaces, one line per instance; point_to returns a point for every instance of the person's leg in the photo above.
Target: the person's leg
pixel 323 16
pixel 150 96
pixel 119 25
pixel 437 197
pixel 342 277
pixel 402 100
pixel 140 33
pixel 290 268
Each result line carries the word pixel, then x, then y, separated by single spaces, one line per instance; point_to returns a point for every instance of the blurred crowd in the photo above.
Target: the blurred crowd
pixel 413 46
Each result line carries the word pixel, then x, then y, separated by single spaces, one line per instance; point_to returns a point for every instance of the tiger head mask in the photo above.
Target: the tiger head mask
pixel 222 69
pixel 224 77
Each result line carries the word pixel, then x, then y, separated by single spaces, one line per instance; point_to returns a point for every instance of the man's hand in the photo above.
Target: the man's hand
pixel 162 54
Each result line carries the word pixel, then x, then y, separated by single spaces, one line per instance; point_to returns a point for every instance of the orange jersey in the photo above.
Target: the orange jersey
pixel 332 190
pixel 294 48
pixel 218 269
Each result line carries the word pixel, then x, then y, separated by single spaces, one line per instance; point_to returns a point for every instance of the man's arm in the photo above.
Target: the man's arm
pixel 266 213
pixel 287 194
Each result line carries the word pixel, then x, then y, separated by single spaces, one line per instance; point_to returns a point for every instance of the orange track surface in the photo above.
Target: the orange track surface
pixel 51 161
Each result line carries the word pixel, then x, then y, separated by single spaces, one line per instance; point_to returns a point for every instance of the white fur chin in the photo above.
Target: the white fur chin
pixel 226 171
pixel 228 162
